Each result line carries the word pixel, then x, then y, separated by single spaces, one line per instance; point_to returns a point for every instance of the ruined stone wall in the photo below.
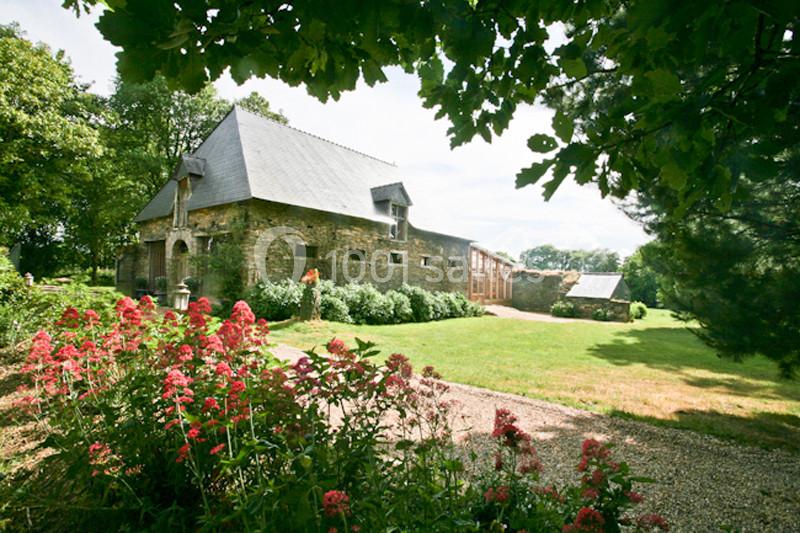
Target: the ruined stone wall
pixel 535 290
pixel 619 310
pixel 330 236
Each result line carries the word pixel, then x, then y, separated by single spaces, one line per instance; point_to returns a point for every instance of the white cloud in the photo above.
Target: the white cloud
pixel 468 191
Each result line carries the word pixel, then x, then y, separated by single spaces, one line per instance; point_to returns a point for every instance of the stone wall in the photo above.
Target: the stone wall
pixel 535 290
pixel 619 310
pixel 272 231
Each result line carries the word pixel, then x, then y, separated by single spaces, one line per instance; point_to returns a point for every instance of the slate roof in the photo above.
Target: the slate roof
pixel 394 192
pixel 601 285
pixel 249 156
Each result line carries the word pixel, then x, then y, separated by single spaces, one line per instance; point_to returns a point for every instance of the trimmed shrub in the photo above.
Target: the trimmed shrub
pixel 601 314
pixel 275 301
pixel 334 309
pixel 423 303
pixel 563 309
pixel 367 305
pixel 638 310
pixel 401 307
pixel 359 303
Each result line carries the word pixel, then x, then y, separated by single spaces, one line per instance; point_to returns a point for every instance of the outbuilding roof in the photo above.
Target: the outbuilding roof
pixel 249 156
pixel 601 285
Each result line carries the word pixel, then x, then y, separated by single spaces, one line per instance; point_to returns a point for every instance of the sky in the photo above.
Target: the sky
pixel 467 192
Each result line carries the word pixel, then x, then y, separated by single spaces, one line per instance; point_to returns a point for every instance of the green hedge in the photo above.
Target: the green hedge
pixel 25 310
pixel 638 310
pixel 361 303
pixel 563 309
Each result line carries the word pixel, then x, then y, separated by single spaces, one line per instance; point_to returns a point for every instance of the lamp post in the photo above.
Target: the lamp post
pixel 182 297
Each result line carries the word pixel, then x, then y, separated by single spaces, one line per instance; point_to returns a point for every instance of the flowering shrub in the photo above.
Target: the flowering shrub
pixel 185 422
pixel 361 303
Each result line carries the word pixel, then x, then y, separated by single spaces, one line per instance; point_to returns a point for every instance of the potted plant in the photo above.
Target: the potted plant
pixel 140 287
pixel 161 290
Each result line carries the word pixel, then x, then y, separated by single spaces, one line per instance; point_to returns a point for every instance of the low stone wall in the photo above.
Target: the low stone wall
pixel 535 290
pixel 619 310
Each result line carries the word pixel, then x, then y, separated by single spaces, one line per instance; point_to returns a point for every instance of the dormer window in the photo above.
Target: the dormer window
pixel 398 230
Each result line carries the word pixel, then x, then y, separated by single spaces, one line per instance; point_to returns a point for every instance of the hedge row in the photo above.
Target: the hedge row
pixel 25 310
pixel 361 303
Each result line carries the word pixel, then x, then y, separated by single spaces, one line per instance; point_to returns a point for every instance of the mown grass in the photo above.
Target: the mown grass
pixel 653 370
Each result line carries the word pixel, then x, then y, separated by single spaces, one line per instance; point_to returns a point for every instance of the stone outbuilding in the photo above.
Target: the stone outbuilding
pixel 291 201
pixel 538 290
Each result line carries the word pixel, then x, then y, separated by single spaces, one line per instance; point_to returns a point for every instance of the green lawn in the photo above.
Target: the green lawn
pixel 654 370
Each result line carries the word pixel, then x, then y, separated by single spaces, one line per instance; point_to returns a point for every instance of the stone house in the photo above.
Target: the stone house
pixel 291 201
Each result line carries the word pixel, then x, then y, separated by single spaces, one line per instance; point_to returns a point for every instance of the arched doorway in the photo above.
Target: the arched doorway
pixel 180 261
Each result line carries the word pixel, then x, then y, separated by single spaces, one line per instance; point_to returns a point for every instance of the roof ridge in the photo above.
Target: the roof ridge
pixel 259 115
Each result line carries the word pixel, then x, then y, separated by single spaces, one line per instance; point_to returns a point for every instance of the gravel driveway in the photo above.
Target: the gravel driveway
pixel 703 483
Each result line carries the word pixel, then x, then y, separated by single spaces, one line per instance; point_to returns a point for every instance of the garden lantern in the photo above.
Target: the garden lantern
pixel 28 279
pixel 182 297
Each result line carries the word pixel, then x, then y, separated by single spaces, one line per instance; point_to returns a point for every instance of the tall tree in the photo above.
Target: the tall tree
pixel 736 272
pixel 258 104
pixel 48 140
pixel 154 125
pixel 641 278
pixel 548 257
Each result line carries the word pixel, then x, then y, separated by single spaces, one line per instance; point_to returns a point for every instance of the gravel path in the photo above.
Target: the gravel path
pixel 702 483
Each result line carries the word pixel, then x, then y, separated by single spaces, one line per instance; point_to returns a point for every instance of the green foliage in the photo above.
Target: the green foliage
pixel 564 309
pixel 646 93
pixel 367 305
pixel 725 270
pixel 25 310
pixel 275 300
pixel 334 309
pixel 10 280
pixel 154 125
pixel 401 307
pixel 638 310
pixel 256 103
pixel 601 314
pixel 640 277
pixel 548 257
pixel 49 142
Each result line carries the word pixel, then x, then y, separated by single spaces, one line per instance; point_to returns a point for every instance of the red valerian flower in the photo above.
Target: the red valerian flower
pixel 652 521
pixel 634 497
pixel 209 404
pixel 146 303
pixel 336 502
pixel 590 494
pixel 237 387
pixel 183 453
pixel 399 363
pixel 185 353
pixel 223 369
pixel 91 318
pixel 499 495
pixel 588 521
pixel 70 318
pixel 336 347
pixel 242 314
pixel 216 449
